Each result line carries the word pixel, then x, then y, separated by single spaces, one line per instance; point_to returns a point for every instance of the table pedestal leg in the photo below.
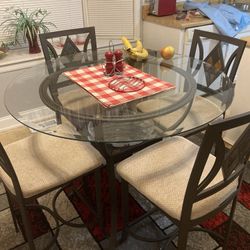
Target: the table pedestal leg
pixel 113 202
pixel 104 149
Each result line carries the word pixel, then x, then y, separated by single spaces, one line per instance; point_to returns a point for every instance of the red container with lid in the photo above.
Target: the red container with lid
pixel 162 7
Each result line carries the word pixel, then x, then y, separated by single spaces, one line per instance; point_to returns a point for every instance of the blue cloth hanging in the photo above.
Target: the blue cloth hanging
pixel 227 19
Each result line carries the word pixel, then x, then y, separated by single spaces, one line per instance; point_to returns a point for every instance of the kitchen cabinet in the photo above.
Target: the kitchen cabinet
pixel 157 32
pixel 156 36
pixel 17 64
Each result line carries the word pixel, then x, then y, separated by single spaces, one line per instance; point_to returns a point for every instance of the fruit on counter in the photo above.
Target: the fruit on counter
pixel 139 56
pixel 138 47
pixel 167 52
pixel 136 53
pixel 126 43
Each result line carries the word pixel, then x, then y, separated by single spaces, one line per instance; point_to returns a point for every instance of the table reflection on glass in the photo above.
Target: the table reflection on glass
pixel 41 101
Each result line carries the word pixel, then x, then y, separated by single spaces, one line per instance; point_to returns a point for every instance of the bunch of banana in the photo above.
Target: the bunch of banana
pixel 136 53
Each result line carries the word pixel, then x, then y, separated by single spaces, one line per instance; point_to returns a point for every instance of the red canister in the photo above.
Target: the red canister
pixel 109 65
pixel 118 61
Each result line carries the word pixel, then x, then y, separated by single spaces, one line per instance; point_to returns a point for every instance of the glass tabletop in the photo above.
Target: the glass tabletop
pixel 55 104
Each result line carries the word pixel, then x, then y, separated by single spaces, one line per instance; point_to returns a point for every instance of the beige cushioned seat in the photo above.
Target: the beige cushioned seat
pixel 202 111
pixel 161 173
pixel 42 162
pixel 77 99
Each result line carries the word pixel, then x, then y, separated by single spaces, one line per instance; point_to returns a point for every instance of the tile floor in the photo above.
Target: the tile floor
pixel 80 238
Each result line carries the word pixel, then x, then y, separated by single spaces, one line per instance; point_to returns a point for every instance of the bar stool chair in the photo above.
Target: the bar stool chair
pixel 186 182
pixel 224 55
pixel 36 165
pixel 75 99
pixel 52 51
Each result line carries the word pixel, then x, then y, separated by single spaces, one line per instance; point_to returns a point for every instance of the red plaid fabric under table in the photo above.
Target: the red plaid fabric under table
pixel 93 80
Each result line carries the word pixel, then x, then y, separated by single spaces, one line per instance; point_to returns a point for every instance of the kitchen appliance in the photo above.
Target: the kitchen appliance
pixel 162 7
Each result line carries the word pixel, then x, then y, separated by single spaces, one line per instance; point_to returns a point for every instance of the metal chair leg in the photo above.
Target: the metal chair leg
pixel 12 211
pixel 182 239
pixel 27 227
pixel 230 222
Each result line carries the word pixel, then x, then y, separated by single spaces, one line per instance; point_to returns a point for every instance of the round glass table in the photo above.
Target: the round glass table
pixel 199 94
pixel 194 94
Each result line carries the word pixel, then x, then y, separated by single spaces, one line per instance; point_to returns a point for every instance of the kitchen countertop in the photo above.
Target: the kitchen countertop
pixel 19 56
pixel 14 58
pixel 19 59
pixel 248 40
pixel 170 21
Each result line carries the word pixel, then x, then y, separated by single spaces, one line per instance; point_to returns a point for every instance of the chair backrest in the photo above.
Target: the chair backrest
pixel 68 47
pixel 231 163
pixel 225 54
pixel 8 169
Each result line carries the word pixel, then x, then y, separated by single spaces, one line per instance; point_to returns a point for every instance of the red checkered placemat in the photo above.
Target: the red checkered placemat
pixel 93 80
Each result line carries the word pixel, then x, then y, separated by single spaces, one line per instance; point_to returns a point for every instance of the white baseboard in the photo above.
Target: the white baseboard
pixel 8 122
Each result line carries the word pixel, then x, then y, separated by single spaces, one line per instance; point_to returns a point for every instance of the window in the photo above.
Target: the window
pixel 113 18
pixel 65 14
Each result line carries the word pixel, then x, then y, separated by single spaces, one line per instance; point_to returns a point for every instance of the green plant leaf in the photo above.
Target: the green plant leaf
pixel 25 22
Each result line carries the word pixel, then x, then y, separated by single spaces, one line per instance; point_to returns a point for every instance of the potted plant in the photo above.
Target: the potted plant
pixel 28 24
